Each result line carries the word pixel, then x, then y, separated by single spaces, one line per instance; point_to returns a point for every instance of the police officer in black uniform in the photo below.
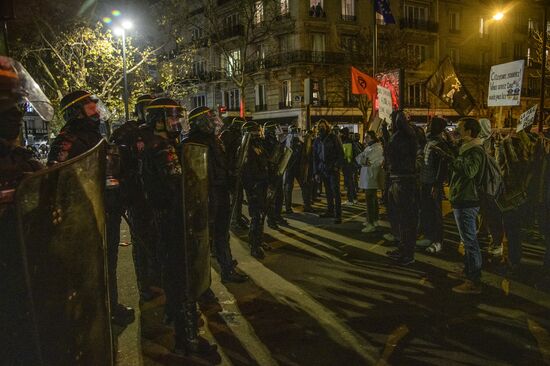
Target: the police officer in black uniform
pixel 294 172
pixel 130 141
pixel 81 133
pixel 231 139
pixel 162 175
pixel 274 149
pixel 255 178
pixel 16 163
pixel 202 129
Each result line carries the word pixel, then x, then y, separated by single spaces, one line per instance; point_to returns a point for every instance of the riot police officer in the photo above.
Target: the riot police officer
pixel 202 127
pixel 274 149
pixel 162 177
pixel 231 139
pixel 83 113
pixel 295 171
pixel 130 142
pixel 255 178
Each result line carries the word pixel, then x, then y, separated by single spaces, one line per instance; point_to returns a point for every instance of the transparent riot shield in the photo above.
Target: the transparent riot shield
pixel 195 216
pixel 61 231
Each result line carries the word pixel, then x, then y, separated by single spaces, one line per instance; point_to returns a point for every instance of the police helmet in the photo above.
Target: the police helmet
pixel 141 102
pixel 251 127
pixel 237 124
pixel 165 116
pixel 204 120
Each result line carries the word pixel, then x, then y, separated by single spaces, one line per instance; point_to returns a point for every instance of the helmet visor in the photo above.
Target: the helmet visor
pixel 28 90
pixel 174 119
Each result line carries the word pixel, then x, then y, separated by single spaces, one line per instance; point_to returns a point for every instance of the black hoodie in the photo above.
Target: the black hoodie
pixel 402 148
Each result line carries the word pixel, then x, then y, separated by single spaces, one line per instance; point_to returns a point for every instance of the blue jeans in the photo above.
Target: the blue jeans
pixel 466 221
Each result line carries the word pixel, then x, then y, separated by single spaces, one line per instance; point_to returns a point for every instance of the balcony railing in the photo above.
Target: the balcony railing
pixel 319 103
pixel 232 31
pixel 206 76
pixel 423 25
pixel 349 18
pixel 285 105
pixel 260 108
pixel 306 57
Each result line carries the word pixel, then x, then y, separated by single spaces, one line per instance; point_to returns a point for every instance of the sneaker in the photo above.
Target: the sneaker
pixel 369 228
pixel 434 248
pixel 468 288
pixel 495 250
pixel 389 237
pixel 405 261
pixel 347 203
pixel 423 242
pixel 266 246
pixel 380 223
pixel 326 215
pixel 394 254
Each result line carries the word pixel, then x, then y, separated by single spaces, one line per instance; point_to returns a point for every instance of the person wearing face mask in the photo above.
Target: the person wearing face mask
pixel 328 157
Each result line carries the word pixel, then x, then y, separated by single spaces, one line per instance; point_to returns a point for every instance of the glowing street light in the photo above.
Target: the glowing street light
pixel 498 16
pixel 120 30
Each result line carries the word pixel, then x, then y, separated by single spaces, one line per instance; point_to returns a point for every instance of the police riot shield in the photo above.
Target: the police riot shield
pixel 195 216
pixel 283 161
pixel 242 154
pixel 61 231
pixel 305 160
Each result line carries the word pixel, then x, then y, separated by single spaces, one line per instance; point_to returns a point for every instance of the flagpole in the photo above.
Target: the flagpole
pixel 374 40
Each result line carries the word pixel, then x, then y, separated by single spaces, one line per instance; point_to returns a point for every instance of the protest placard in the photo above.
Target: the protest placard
pixel 527 118
pixel 505 84
pixel 384 104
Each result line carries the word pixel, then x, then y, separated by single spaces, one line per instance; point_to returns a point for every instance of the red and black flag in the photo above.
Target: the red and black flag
pixel 446 85
pixel 362 83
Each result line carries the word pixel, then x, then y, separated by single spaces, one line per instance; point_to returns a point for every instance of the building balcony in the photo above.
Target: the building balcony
pixel 233 108
pixel 349 18
pixel 319 103
pixel 350 104
pixel 417 24
pixel 232 31
pixel 306 57
pixel 285 105
pixel 260 108
pixel 417 104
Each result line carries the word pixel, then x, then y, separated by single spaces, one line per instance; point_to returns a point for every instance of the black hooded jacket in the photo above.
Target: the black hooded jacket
pixel 402 148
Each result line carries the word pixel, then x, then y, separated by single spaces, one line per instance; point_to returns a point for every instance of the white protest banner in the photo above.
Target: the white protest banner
pixel 505 84
pixel 384 103
pixel 527 118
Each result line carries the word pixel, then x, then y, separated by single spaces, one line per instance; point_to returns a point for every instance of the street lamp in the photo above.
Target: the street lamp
pixel 498 16
pixel 121 31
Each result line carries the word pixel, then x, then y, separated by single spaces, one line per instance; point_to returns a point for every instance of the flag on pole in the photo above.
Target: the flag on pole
pixel 444 83
pixel 362 83
pixel 383 8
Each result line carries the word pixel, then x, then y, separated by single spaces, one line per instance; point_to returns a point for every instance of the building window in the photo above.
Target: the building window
pixel 260 55
pixel 231 21
pixel 199 68
pixel 316 9
pixel 532 26
pixel 518 50
pixel 258 12
pixel 318 47
pixel 261 101
pixel 348 10
pixel 283 7
pixel 414 14
pixel 286 94
pixel 504 49
pixel 318 92
pixel 454 21
pixel 454 54
pixel 416 95
pixel 529 59
pixel 196 33
pixel 484 58
pixel 231 63
pixel 417 51
pixel 199 101
pixel 231 99
pixel 483 28
pixel 348 43
pixel 286 43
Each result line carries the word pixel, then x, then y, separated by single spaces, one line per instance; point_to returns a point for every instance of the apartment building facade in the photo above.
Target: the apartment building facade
pixel 320 40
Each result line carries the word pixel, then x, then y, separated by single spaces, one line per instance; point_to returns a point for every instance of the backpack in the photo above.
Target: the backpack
pixel 490 183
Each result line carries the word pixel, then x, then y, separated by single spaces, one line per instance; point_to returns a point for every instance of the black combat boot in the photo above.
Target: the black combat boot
pixel 188 341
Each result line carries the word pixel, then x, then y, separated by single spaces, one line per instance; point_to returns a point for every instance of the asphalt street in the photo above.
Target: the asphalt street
pixel 327 295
